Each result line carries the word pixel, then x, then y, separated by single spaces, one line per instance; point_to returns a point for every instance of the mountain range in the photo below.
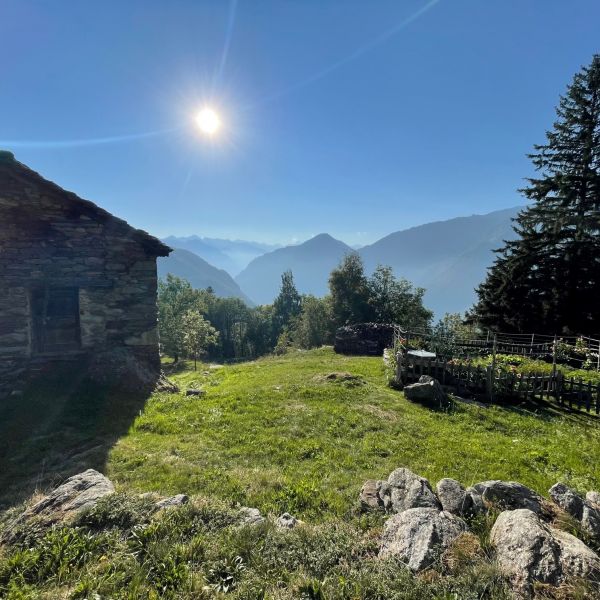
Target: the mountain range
pixel 230 255
pixel 448 258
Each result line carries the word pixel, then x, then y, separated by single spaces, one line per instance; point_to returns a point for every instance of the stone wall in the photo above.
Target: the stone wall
pixel 50 238
pixel 368 339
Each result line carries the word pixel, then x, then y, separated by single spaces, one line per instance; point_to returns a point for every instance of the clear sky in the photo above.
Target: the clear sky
pixel 357 118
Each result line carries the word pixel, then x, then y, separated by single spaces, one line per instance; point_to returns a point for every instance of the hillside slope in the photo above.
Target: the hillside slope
pixel 277 434
pixel 448 258
pixel 200 274
pixel 311 263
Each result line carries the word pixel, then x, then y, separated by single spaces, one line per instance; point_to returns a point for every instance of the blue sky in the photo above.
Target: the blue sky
pixel 352 117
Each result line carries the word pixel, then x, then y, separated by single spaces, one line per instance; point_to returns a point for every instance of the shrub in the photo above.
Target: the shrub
pixel 225 574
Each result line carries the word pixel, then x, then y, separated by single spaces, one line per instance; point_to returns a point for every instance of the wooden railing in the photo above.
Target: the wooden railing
pixel 497 385
pixel 532 345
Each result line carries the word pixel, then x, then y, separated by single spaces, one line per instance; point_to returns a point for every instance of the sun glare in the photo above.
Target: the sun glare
pixel 208 121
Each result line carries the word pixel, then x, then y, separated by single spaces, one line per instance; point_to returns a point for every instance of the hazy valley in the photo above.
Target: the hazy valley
pixel 448 258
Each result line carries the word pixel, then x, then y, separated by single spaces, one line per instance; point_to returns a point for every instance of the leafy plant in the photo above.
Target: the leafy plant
pixel 225 574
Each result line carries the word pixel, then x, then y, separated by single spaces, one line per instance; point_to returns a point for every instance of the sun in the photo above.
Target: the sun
pixel 208 121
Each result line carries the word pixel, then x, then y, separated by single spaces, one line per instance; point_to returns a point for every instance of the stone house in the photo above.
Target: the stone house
pixel 76 283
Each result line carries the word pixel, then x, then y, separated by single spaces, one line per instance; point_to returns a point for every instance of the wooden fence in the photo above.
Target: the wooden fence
pixel 495 385
pixel 532 345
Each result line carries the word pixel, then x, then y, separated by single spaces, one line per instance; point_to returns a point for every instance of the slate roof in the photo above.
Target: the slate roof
pixel 22 173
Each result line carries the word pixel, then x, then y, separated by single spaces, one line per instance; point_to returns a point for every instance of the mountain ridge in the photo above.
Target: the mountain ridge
pixel 310 262
pixel 448 257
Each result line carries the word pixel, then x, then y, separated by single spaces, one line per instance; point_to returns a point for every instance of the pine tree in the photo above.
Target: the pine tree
pixel 287 305
pixel 548 279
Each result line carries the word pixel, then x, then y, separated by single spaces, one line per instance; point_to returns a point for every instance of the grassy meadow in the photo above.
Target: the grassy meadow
pixel 276 434
pixel 279 434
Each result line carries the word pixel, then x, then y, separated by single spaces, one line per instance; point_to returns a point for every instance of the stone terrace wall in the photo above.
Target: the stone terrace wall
pixel 49 237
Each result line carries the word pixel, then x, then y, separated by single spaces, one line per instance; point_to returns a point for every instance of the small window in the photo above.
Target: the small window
pixel 55 317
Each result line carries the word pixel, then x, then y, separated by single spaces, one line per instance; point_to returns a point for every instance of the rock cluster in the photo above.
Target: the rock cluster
pixel 424 525
pixel 83 491
pixel 165 385
pixel 369 339
pixel 529 549
pixel 585 511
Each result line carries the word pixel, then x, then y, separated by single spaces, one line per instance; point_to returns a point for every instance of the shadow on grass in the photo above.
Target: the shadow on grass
pixel 61 425
pixel 548 410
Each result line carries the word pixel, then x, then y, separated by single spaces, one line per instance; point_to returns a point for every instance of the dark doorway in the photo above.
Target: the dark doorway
pixel 55 313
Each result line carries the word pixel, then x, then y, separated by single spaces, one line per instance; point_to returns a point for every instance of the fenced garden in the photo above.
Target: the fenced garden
pixel 504 367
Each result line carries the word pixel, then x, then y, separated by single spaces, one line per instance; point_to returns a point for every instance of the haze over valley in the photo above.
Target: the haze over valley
pixel 448 258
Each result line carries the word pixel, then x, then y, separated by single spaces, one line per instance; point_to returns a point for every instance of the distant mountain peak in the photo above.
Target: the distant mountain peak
pixel 321 239
pixel 310 262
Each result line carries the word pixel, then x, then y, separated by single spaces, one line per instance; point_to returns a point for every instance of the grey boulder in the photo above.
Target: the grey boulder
pixel 286 521
pixel 528 552
pixel 593 498
pixel 418 536
pixel 369 497
pixel 587 513
pixel 250 516
pixel 404 489
pixel 457 500
pixel 427 391
pixel 509 495
pixel 78 493
pixel 178 500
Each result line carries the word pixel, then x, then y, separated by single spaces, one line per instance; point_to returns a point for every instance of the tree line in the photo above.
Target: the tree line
pixel 196 323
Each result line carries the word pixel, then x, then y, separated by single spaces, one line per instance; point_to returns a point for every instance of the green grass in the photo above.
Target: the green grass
pixel 200 552
pixel 273 434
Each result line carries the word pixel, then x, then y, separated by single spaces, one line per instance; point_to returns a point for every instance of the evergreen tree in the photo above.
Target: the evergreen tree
pixel 349 291
pixel 548 279
pixel 287 305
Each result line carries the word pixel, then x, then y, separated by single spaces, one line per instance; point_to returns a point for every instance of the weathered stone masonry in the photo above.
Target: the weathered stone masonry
pixel 75 281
